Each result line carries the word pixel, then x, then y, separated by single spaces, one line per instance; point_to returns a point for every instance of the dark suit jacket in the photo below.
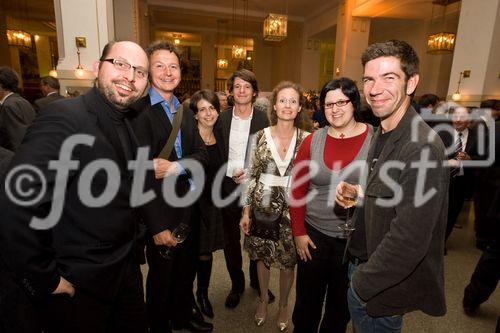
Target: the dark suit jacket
pixel 153 128
pixel 472 149
pixel 44 101
pixel 222 131
pixel 16 114
pixel 5 157
pixel 89 246
pixel 404 271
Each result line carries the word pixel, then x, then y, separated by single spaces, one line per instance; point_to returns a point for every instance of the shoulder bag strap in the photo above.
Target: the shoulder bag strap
pixel 176 125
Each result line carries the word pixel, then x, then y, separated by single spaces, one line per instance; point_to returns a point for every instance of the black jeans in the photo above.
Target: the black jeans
pixel 485 278
pixel 169 285
pixel 323 275
pixel 231 216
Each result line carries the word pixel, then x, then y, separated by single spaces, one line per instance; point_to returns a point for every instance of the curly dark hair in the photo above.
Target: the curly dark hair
pixel 394 48
pixel 302 120
pixel 9 80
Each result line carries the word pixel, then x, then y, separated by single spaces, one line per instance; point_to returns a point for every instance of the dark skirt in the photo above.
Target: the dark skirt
pixel 211 232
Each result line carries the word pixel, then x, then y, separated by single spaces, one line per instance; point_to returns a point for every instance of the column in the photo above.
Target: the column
pixel 351 41
pixel 92 19
pixel 208 58
pixel 477 49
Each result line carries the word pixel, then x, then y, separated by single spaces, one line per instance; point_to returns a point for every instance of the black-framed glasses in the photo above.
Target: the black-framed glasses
pixel 340 103
pixel 122 65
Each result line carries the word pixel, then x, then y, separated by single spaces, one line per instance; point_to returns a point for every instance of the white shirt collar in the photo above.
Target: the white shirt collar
pixel 239 118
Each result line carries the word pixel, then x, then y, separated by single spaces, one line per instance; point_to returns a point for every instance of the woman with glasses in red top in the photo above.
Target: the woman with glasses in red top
pixel 325 158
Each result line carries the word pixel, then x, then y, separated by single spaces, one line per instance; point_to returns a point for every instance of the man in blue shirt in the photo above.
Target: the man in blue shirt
pixel 170 278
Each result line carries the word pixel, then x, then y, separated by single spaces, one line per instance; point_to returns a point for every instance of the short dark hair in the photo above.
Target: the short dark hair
pixel 490 104
pixel 428 99
pixel 348 88
pixel 158 45
pixel 247 76
pixel 207 95
pixel 51 82
pixel 394 48
pixel 9 80
pixel 301 120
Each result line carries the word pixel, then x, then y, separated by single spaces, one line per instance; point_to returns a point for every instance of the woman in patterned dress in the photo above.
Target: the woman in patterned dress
pixel 273 150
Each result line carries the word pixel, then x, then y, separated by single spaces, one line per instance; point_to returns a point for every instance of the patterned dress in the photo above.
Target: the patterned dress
pixel 267 190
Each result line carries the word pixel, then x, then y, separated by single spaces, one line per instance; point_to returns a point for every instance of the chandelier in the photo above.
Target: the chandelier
pixel 18 38
pixel 238 52
pixel 275 27
pixel 441 42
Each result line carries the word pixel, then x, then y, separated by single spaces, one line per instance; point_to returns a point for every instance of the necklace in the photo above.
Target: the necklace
pixel 209 139
pixel 342 135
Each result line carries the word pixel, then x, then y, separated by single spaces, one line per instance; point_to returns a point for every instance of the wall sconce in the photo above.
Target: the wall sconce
pixel 177 38
pixel 456 96
pixel 79 70
pixel 53 71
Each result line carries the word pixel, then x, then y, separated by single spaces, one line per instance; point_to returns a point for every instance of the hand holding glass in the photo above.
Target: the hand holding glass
pixel 180 233
pixel 349 198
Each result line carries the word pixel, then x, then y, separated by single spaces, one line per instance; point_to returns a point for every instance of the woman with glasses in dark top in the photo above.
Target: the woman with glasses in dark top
pixel 317 223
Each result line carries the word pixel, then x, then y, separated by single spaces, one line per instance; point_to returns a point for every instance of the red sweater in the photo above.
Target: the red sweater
pixel 338 152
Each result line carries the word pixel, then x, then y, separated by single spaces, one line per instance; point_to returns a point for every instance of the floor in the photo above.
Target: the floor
pixel 459 265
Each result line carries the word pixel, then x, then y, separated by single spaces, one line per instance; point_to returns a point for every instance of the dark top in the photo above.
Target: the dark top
pixel 357 246
pixel 88 246
pixel 214 164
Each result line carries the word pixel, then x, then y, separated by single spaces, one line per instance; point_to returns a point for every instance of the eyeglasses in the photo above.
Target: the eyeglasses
pixel 125 66
pixel 342 102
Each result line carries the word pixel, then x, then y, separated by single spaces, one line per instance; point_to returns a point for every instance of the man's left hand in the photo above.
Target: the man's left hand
pixel 164 168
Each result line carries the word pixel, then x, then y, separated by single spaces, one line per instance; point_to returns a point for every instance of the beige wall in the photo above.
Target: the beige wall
pixel 434 68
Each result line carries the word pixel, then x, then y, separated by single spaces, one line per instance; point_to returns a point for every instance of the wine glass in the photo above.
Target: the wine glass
pixel 180 233
pixel 350 194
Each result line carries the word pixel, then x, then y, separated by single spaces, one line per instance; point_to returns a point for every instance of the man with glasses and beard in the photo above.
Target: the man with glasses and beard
pixel 81 275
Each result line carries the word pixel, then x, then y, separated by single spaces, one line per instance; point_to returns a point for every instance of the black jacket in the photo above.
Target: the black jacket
pixel 222 131
pixel 41 103
pixel 89 246
pixel 405 242
pixel 153 128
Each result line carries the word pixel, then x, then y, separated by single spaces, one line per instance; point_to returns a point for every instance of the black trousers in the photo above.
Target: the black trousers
pixel 169 284
pixel 485 278
pixel 86 313
pixel 456 197
pixel 323 275
pixel 232 250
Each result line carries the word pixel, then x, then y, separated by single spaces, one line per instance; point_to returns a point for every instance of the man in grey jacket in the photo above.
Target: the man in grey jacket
pixel 16 113
pixel 396 250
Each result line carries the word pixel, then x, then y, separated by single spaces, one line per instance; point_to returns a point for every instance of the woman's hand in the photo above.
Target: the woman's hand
pixel 302 244
pixel 245 221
